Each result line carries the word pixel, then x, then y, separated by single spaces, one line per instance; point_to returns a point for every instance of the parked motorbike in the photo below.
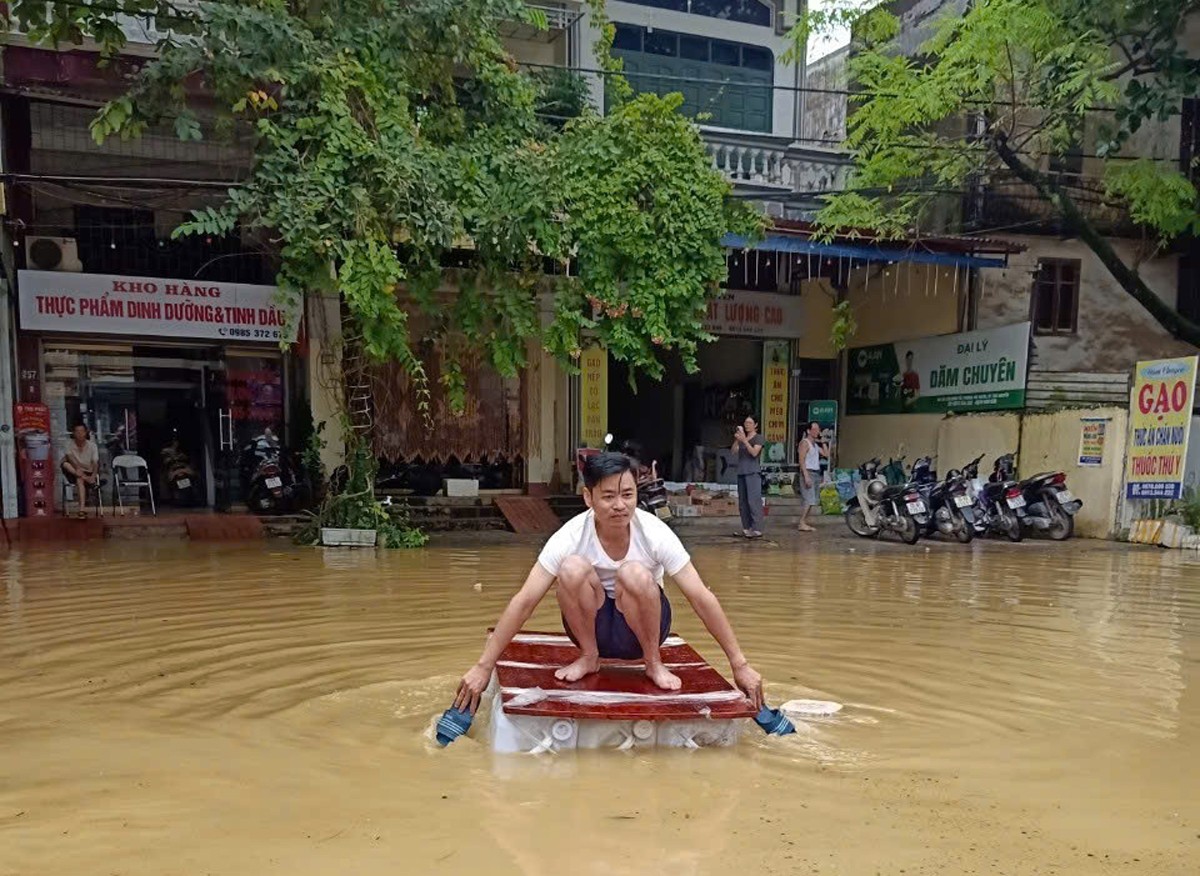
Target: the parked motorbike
pixel 1050 506
pixel 651 489
pixel 879 506
pixel 949 501
pixel 270 478
pixel 180 479
pixel 999 506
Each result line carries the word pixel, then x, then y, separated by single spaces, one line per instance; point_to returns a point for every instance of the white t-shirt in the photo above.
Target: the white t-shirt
pixel 651 543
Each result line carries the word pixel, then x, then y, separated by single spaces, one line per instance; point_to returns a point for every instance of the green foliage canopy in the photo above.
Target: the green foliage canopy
pixel 391 132
pixel 1004 88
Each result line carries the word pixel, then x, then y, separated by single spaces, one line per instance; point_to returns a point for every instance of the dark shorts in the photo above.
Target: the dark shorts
pixel 613 635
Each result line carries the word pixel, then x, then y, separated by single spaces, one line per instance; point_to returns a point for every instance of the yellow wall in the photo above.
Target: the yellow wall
pixel 902 301
pixel 1046 442
pixel 962 438
pixel 325 375
pixel 886 435
pixel 816 300
pixel 546 413
pixel 1050 442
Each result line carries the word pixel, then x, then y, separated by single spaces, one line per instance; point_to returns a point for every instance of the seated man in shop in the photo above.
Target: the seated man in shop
pixel 81 463
pixel 612 607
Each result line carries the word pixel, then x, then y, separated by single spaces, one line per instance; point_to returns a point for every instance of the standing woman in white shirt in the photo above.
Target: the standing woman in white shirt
pixel 810 453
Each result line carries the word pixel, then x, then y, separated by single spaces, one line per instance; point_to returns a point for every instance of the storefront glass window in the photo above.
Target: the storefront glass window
pixel 164 404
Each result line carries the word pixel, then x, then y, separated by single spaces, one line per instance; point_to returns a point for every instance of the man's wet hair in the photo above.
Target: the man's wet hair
pixel 604 465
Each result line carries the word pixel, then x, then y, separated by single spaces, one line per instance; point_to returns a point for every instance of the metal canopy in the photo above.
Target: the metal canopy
pixel 861 252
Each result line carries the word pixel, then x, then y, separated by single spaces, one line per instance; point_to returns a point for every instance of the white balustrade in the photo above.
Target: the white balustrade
pixel 757 161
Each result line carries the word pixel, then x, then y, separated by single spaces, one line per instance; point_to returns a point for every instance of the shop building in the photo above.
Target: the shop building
pixel 773 356
pixel 159 346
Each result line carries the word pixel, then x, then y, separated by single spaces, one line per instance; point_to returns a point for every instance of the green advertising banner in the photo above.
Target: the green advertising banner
pixel 972 371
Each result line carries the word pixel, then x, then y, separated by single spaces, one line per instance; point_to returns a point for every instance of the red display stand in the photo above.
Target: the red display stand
pixel 35 448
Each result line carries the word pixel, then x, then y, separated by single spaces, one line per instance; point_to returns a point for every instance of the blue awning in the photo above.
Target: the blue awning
pixel 865 252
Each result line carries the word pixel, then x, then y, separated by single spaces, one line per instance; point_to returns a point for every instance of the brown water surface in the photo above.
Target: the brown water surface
pixel 181 709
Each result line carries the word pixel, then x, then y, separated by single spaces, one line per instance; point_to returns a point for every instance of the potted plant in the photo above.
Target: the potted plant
pixel 351 516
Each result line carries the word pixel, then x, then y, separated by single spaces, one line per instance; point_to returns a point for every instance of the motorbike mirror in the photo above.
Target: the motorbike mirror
pixel 608 438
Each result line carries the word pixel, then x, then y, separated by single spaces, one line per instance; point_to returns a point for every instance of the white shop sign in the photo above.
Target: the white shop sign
pixel 755 314
pixel 57 301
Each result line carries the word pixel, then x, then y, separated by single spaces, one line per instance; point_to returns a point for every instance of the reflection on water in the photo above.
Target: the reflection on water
pixel 240 710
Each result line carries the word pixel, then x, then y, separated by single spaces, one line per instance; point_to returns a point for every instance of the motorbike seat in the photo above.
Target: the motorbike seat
pixel 1040 478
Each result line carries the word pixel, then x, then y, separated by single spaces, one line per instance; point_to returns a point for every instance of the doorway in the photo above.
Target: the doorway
pixel 183 409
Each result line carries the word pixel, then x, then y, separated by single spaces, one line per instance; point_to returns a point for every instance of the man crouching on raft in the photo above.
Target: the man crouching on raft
pixel 612 607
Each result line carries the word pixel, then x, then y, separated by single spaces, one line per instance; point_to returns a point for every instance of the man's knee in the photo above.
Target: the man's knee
pixel 636 580
pixel 574 571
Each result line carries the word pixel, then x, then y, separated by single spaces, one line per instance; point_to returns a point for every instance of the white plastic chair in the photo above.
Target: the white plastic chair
pixel 130 470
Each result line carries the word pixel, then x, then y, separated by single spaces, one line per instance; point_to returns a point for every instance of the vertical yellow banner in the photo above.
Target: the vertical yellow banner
pixel 1160 418
pixel 776 362
pixel 593 401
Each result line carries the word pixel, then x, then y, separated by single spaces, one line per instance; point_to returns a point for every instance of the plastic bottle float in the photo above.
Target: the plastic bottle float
pixel 618 707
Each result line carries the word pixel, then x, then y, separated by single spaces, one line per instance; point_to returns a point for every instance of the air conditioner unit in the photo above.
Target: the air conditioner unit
pixel 52 254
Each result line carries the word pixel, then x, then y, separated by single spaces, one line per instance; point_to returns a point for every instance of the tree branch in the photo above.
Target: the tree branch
pixel 1131 282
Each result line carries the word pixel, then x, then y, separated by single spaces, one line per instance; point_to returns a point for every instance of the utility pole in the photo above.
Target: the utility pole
pixel 8 438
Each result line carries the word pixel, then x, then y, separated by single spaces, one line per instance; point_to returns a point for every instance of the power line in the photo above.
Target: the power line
pixel 795 89
pixel 132 181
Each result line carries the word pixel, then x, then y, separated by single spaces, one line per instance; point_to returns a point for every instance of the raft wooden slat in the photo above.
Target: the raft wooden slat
pixel 536 661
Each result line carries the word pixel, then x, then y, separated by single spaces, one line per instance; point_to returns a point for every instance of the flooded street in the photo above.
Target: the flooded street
pixel 184 709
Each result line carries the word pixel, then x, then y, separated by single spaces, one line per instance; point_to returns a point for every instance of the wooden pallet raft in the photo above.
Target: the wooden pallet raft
pixel 617 707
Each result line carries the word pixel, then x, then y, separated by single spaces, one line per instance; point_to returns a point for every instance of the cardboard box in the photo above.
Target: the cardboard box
pixel 685 510
pixel 465 487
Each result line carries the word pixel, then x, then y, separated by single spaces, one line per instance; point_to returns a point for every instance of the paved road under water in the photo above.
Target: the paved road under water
pixel 176 709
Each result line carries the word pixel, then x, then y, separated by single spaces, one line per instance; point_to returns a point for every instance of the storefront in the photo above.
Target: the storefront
pixel 686 421
pixel 179 373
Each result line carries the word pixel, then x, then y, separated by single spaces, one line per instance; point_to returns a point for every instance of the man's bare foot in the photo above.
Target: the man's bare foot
pixel 585 665
pixel 804 527
pixel 663 677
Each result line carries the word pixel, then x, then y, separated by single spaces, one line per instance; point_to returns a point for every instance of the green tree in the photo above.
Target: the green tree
pixel 1003 88
pixel 389 132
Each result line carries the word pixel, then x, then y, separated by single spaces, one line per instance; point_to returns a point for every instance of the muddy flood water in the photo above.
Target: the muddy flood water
pixel 182 709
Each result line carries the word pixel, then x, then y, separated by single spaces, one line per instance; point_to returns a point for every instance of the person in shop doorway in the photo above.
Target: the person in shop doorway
pixel 910 382
pixel 810 452
pixel 81 464
pixel 747 448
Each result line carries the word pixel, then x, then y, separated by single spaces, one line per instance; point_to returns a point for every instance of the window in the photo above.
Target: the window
pixel 732 83
pixel 745 11
pixel 725 53
pixel 628 37
pixel 1069 163
pixel 756 58
pixel 693 48
pixel 661 42
pixel 1056 297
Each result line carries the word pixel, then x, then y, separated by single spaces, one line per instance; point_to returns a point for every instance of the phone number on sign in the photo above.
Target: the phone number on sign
pixel 252 334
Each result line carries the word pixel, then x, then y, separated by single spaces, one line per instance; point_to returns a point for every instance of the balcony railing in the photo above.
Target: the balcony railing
pixel 559 17
pixel 767 165
pixel 1004 201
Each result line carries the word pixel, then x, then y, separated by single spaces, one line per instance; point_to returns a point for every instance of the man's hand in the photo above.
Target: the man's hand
pixel 807 481
pixel 471 688
pixel 750 683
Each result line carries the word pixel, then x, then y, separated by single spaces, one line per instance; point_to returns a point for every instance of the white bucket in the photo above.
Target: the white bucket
pixel 37 445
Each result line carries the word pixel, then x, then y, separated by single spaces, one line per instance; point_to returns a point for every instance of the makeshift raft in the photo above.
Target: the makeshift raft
pixel 617 707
